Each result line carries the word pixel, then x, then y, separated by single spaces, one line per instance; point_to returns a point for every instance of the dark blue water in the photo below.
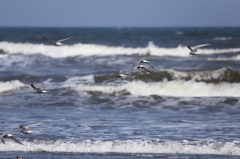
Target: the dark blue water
pixel 188 108
pixel 128 37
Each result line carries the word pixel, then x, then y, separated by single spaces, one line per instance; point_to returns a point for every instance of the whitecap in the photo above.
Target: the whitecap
pixel 10 85
pixel 177 88
pixel 126 146
pixel 101 50
pixel 223 38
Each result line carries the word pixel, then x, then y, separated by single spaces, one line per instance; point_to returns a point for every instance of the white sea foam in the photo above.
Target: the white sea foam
pixel 206 75
pixel 223 38
pixel 179 88
pixel 10 85
pixel 234 58
pixel 127 146
pixel 101 50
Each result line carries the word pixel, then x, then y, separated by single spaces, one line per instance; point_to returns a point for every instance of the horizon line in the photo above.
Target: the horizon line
pixel 119 27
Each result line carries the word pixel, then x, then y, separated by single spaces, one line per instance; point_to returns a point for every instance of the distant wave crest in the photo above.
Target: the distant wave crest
pixel 223 38
pixel 128 146
pixel 100 50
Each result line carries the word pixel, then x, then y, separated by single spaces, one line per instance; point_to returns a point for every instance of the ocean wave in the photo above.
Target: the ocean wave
pixel 100 50
pixel 128 146
pixel 223 38
pixel 233 58
pixel 10 85
pixel 224 74
pixel 177 88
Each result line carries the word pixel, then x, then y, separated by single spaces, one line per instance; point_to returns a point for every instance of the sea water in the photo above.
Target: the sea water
pixel 188 108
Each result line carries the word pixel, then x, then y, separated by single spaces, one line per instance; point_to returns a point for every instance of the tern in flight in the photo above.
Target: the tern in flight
pixel 144 61
pixel 57 43
pixel 27 129
pixel 138 67
pixel 121 73
pixel 39 90
pixel 10 136
pixel 195 48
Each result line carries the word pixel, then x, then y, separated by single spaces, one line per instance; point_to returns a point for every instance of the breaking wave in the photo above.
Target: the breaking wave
pixel 100 50
pixel 178 88
pixel 128 146
pixel 10 85
pixel 223 38
pixel 211 76
pixel 224 74
pixel 233 58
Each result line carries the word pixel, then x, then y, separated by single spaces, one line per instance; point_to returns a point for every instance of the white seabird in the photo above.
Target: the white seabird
pixel 121 73
pixel 138 67
pixel 195 48
pixel 27 129
pixel 144 61
pixel 10 136
pixel 39 90
pixel 57 43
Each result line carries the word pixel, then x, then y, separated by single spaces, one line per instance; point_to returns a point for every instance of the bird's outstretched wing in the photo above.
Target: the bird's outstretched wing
pixel 49 39
pixel 11 137
pixel 22 127
pixel 64 39
pixel 39 89
pixel 1 137
pixel 149 65
pixel 198 46
pixel 189 47
pixel 30 126
pixel 137 62
pixel 143 68
pixel 132 69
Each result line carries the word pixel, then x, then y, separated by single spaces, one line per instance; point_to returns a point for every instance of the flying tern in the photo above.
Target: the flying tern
pixel 121 73
pixel 195 48
pixel 138 67
pixel 144 61
pixel 57 43
pixel 10 136
pixel 27 129
pixel 39 90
